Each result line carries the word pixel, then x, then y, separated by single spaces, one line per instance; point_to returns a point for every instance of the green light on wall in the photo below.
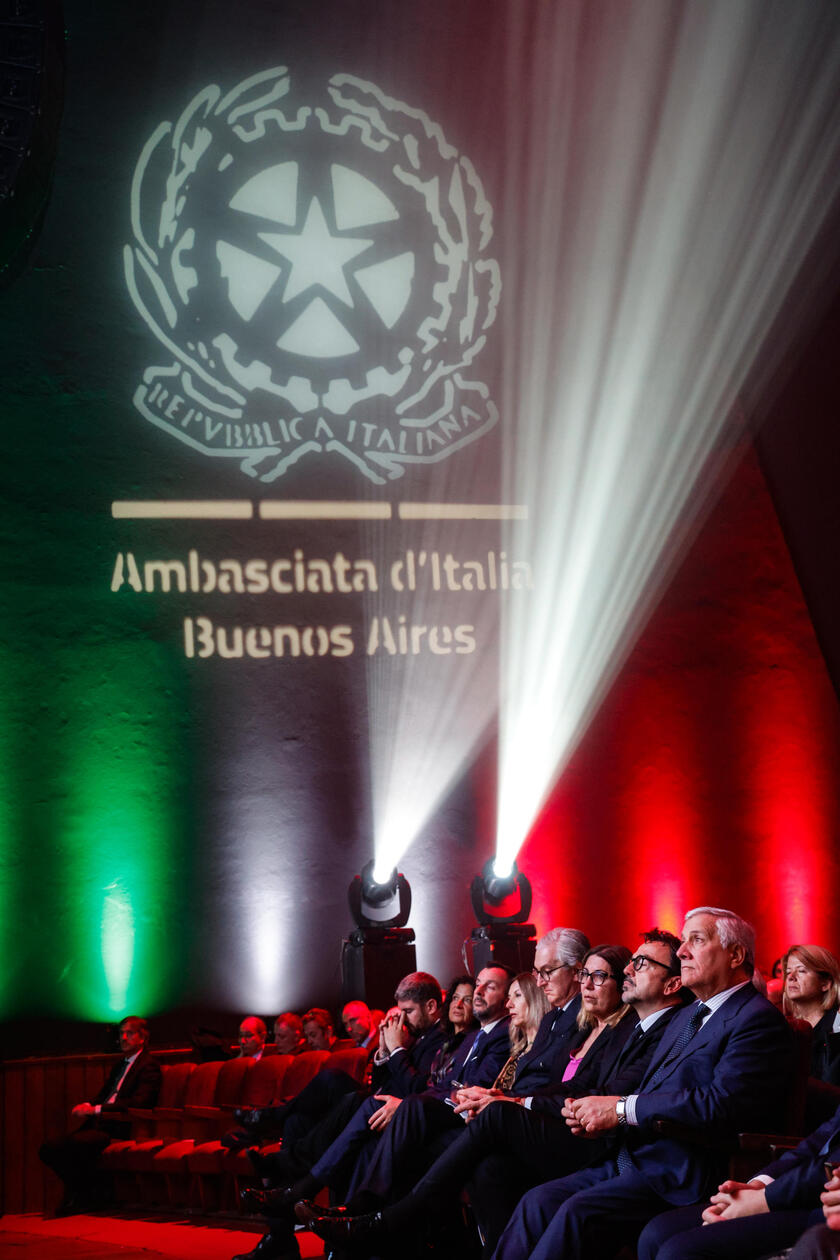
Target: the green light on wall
pixel 10 875
pixel 118 836
pixel 117 945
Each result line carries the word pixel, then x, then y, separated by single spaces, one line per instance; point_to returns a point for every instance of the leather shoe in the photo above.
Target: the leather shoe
pixel 348 1231
pixel 272 1247
pixel 306 1210
pixel 277 1202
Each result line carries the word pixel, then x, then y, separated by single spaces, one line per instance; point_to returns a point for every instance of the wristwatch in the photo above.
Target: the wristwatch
pixel 620 1111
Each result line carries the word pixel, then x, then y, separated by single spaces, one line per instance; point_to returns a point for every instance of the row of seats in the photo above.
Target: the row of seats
pixel 174 1154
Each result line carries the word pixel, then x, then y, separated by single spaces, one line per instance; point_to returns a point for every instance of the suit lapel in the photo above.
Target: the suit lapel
pixel 670 1054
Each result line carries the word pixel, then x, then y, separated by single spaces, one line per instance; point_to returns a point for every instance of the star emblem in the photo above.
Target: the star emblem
pixel 316 256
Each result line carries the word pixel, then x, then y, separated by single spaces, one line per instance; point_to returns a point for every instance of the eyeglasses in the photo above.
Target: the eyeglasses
pixel 597 977
pixel 545 973
pixel 639 962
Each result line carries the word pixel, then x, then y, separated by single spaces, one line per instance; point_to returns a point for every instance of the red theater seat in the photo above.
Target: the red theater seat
pixel 208 1161
pixel 168 1124
pixel 216 1172
pixel 303 1067
pixel 353 1061
pixel 173 1088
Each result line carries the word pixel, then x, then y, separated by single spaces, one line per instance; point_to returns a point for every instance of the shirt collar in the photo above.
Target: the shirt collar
pixel 714 1003
pixel 650 1020
pixel 486 1028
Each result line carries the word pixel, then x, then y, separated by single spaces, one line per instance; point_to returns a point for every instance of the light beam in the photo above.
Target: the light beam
pixel 679 164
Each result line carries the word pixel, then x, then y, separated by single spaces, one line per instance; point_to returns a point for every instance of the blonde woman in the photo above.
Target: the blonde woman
pixel 812 993
pixel 526 1005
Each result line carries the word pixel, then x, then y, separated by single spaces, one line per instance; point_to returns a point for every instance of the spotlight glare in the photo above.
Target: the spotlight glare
pixel 383 873
pixel 502 868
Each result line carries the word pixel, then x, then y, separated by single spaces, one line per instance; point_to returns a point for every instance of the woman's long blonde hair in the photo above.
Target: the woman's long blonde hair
pixel 536 1004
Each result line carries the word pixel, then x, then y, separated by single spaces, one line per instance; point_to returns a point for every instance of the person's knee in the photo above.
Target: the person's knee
pixel 665 1235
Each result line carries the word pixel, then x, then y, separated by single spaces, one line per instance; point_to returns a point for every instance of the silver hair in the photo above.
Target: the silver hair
pixel 568 945
pixel 731 930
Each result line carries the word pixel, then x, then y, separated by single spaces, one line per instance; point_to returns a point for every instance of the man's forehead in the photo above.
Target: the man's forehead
pixel 704 924
pixel 492 975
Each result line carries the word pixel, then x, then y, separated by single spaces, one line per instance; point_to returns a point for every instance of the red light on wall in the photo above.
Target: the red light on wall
pixel 789 771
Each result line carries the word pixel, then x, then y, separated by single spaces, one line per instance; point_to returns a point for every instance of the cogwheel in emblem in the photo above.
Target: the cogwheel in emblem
pixel 319 272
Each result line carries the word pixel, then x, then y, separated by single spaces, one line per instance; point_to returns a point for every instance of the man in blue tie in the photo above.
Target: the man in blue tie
pixel 724 1065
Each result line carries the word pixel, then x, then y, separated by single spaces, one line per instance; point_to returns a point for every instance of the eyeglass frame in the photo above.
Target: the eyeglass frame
pixel 546 973
pixel 582 975
pixel 645 958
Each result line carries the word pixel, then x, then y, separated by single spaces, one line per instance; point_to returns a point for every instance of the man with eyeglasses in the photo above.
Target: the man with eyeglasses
pixel 557 958
pixel 506 1149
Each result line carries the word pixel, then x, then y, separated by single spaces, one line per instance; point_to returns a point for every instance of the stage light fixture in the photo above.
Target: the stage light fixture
pixel 380 950
pixel 377 902
pixel 501 896
pixel 501 901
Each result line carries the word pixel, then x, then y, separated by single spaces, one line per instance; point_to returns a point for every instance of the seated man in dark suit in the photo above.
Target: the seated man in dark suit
pixel 409 1039
pixel 414 1026
pixel 252 1035
pixel 288 1033
pixel 420 1118
pixel 755 1218
pixel 319 1031
pixel 724 1064
pixel 362 1027
pixel 133 1082
pixel 506 1149
pixel 478 1060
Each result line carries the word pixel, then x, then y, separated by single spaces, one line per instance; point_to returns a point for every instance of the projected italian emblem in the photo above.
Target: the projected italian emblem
pixel 319 274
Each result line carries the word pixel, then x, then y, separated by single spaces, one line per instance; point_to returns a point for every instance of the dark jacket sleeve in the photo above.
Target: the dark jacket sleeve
pixel 799 1175
pixel 551 1099
pixel 825 1050
pixel 407 1072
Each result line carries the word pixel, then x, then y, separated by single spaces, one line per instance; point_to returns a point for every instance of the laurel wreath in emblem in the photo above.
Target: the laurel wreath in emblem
pixel 319 272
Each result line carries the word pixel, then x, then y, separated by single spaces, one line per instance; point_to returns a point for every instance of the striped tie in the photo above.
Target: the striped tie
pixel 697 1016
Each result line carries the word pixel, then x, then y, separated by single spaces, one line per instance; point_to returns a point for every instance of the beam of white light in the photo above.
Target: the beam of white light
pixel 674 175
pixel 428 712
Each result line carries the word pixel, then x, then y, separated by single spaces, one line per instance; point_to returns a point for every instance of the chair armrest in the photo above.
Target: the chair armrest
pixel 764 1141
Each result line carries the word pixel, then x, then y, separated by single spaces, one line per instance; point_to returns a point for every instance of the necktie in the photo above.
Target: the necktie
pixel 697 1016
pixel 632 1041
pixel 474 1046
